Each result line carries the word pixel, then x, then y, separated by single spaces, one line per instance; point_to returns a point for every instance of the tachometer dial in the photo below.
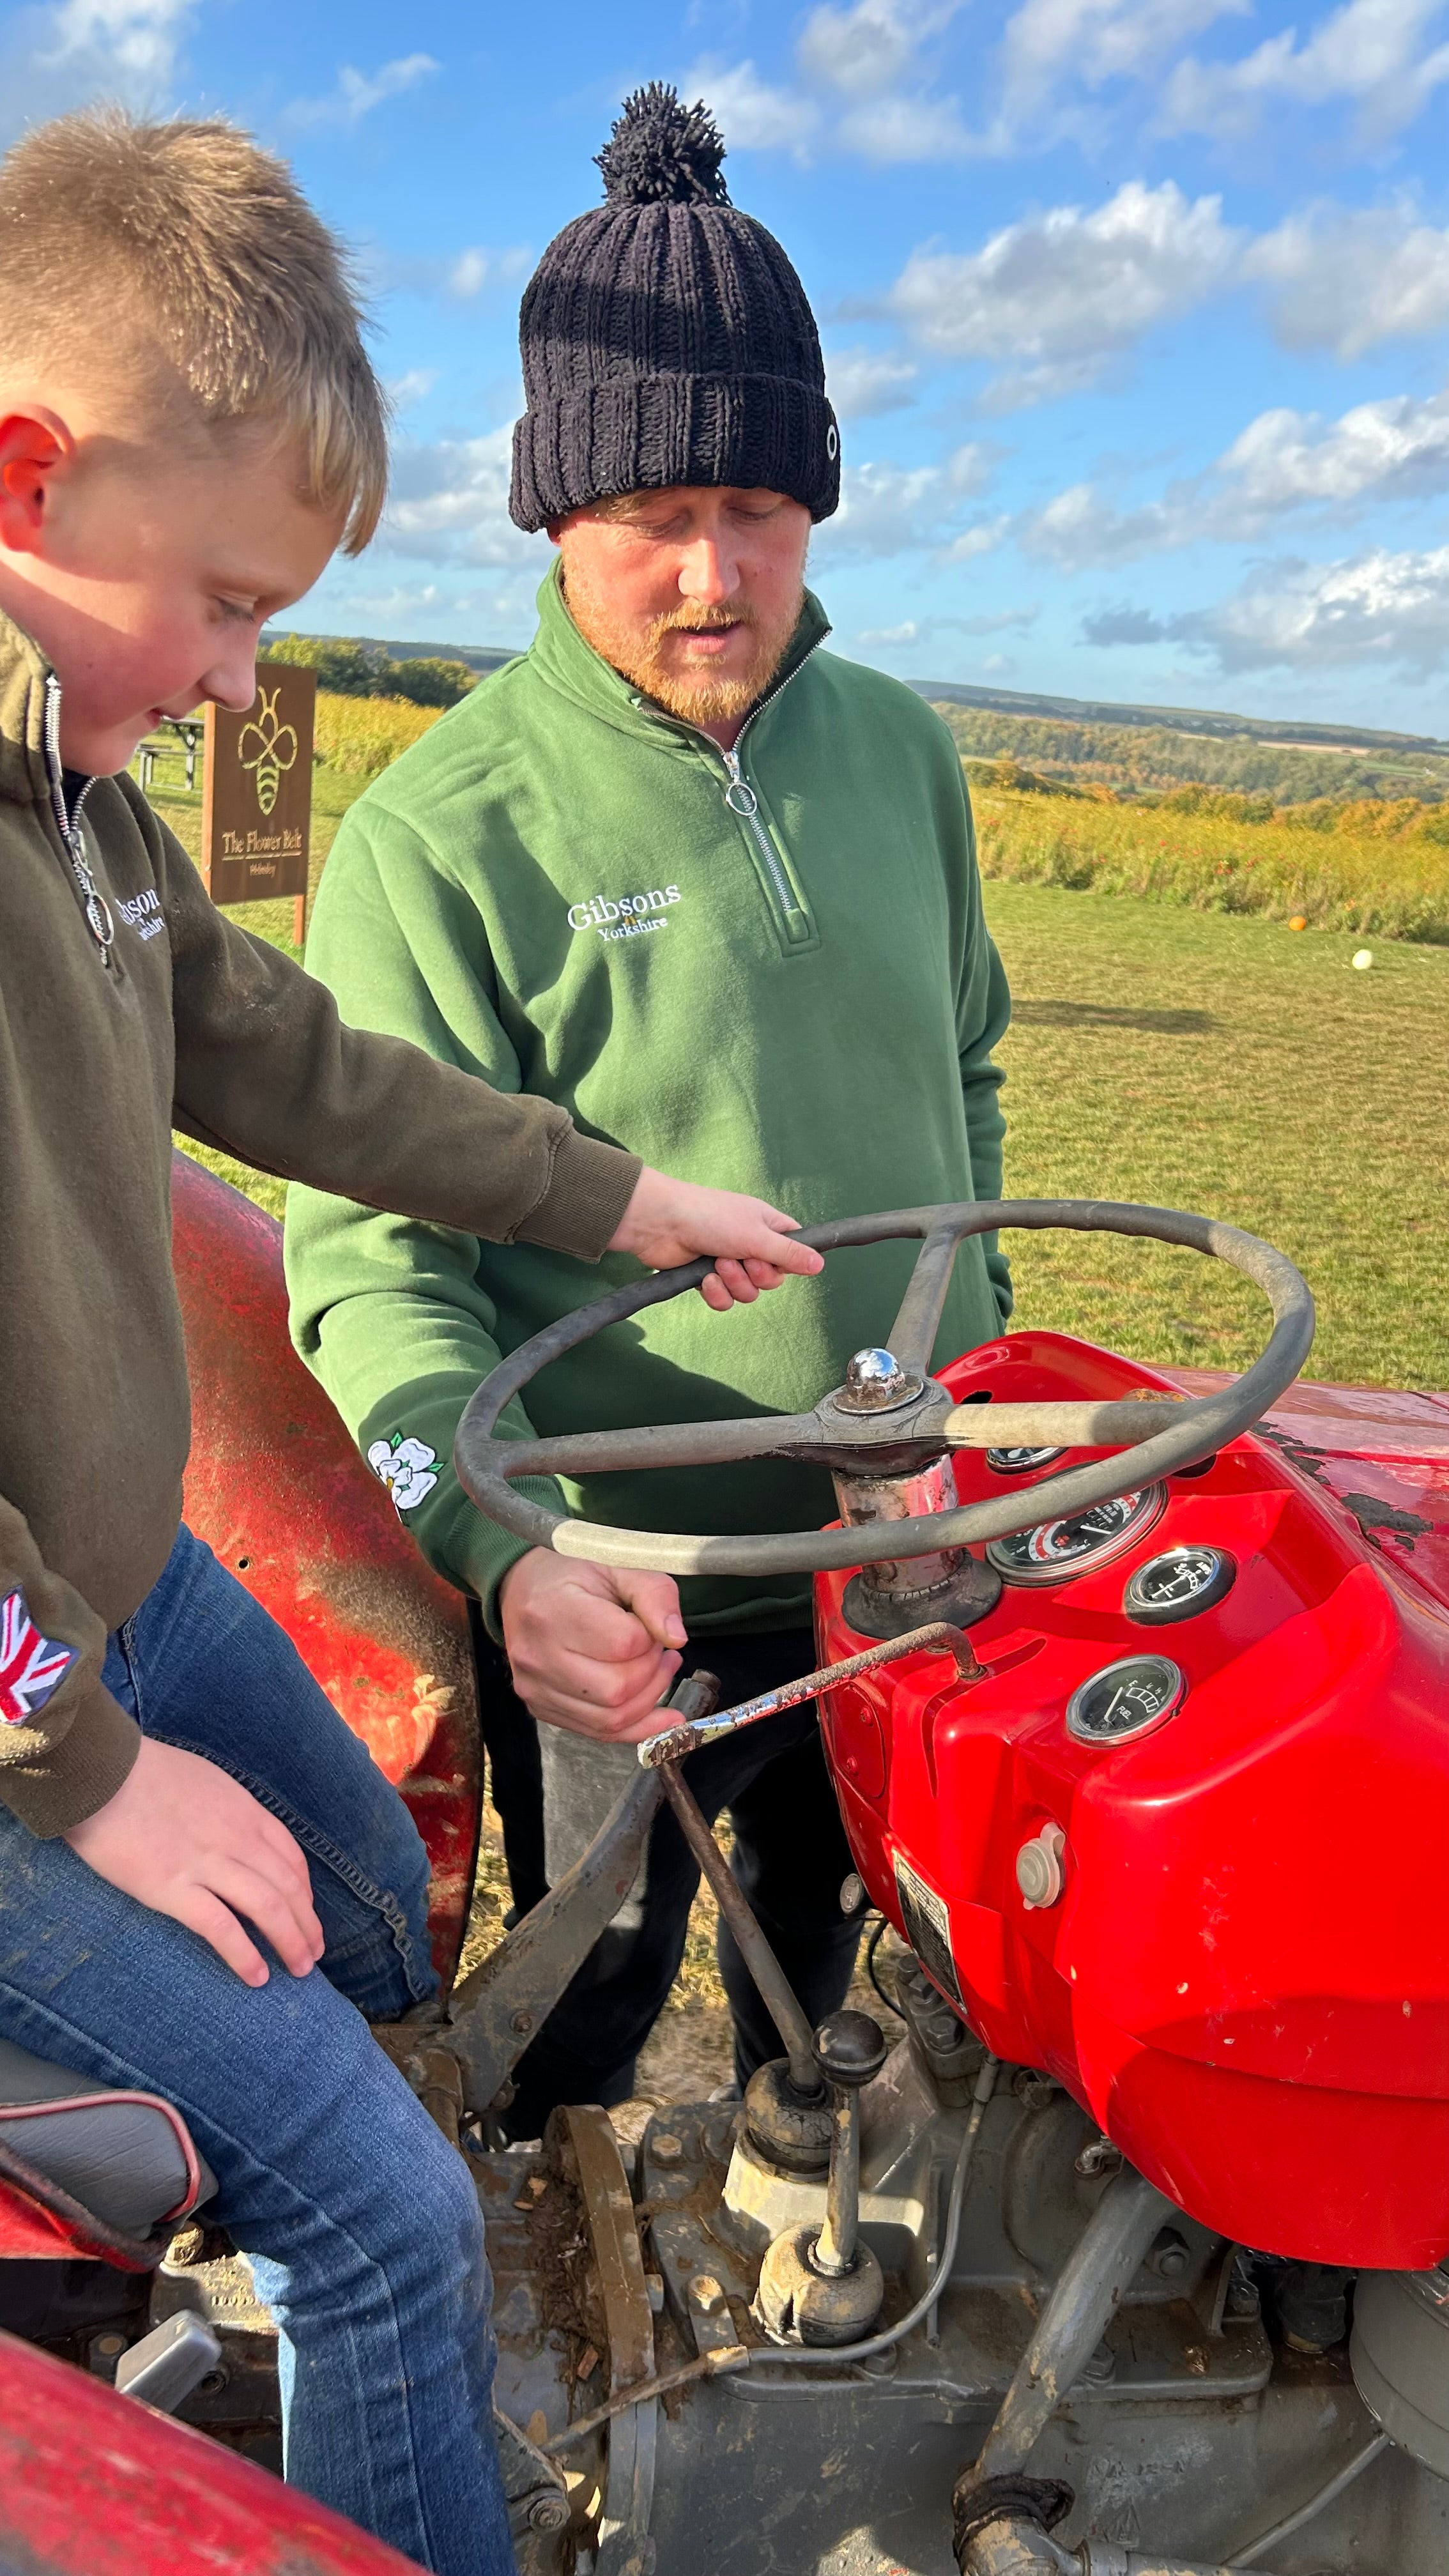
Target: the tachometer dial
pixel 1056 1551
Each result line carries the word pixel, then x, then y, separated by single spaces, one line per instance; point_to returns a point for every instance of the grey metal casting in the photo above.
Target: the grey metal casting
pixel 1166 1436
pixel 1103 2264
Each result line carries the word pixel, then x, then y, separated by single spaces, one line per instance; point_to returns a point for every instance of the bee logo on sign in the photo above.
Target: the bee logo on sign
pixel 257 794
pixel 276 747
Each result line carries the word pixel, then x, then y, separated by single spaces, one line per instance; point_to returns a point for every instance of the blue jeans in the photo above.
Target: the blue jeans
pixel 361 2222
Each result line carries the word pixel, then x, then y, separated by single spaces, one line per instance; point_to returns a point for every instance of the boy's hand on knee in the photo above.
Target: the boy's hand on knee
pixel 186 1839
pixel 593 1649
pixel 668 1222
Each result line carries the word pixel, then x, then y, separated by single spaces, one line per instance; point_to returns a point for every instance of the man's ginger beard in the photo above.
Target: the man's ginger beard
pixel 699 697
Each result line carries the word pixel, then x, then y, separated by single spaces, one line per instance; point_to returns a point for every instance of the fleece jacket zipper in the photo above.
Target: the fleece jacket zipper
pixel 100 921
pixel 744 803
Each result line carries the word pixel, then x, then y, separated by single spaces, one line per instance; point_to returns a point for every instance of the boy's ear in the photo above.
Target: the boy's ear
pixel 32 445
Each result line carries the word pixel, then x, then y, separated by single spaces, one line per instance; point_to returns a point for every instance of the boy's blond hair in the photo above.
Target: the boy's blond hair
pixel 183 249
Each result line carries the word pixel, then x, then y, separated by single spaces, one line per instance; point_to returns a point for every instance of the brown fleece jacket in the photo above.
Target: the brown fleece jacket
pixel 177 1018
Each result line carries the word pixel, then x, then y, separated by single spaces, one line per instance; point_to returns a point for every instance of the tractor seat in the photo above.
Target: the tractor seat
pixel 126 2157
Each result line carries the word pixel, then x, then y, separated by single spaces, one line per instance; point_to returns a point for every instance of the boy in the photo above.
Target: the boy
pixel 188 427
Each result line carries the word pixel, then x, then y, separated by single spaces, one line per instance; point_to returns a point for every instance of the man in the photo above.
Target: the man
pixel 715 891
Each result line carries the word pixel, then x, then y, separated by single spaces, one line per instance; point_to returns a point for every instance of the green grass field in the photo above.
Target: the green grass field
pixel 1249 1072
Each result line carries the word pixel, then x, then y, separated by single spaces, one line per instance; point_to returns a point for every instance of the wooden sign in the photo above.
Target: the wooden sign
pixel 256 807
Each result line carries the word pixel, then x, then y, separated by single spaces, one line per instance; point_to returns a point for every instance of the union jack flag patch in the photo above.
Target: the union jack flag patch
pixel 32 1667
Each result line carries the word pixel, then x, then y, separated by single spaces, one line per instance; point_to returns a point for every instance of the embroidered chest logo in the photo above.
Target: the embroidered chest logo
pixel 142 913
pixel 408 1468
pixel 32 1667
pixel 627 916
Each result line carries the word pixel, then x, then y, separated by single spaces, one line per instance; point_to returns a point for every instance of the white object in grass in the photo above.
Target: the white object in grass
pixel 1363 957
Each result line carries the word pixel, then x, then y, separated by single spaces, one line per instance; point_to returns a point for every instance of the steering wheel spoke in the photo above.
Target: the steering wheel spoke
pixel 1065 1426
pixel 913 1334
pixel 661 1444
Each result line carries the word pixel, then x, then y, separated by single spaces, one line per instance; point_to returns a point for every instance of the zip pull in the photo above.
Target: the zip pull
pixel 742 800
pixel 739 795
pixel 99 919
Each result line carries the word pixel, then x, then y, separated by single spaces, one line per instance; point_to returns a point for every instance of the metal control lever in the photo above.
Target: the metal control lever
pixel 938 1638
pixel 850 2051
pixel 823 2285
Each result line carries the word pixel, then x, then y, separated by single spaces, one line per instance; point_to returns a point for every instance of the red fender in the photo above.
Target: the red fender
pixel 99 2485
pixel 276 1487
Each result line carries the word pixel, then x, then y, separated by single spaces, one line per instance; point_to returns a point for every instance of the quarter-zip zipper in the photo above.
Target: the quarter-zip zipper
pixel 742 800
pixel 99 919
pixel 744 803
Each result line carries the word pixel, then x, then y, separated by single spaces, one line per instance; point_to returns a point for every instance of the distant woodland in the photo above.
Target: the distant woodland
pixel 1135 761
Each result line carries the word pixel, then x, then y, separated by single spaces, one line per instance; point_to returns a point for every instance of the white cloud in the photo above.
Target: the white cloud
pixel 449 504
pixel 358 93
pixel 862 88
pixel 1395 450
pixel 906 129
pixel 133 41
pixel 864 382
pixel 1096 41
pixel 470 274
pixel 1065 291
pixel 1379 608
pixel 1372 53
pixel 899 509
pixel 867 49
pixel 59 57
pixel 1345 279
pixel 479 272
pixel 413 387
pixel 751 115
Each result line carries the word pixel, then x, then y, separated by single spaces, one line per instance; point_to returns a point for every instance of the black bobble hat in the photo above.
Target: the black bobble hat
pixel 666 338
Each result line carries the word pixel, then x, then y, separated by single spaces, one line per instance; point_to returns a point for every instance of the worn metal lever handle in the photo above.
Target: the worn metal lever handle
pixel 937 1639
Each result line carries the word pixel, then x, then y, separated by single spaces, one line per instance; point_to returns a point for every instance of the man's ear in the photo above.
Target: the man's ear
pixel 33 444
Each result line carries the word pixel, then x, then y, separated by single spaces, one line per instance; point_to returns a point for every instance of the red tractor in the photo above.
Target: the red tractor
pixel 1125 2254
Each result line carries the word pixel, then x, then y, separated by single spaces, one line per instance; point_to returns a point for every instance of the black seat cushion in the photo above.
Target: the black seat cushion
pixel 127 2157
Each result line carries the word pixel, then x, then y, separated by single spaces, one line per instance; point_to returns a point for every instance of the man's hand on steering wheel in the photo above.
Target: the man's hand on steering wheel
pixel 667 1223
pixel 592 1650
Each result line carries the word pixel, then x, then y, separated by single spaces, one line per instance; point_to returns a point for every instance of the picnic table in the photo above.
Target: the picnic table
pixel 157 746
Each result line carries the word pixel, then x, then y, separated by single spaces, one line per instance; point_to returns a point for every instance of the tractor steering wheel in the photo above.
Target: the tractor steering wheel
pixel 890 1417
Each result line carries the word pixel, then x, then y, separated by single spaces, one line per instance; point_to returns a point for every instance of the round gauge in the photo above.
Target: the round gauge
pixel 1125 1700
pixel 1019 1462
pixel 1055 1551
pixel 1179 1583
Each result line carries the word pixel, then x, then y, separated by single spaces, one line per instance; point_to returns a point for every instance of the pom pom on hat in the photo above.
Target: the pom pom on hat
pixel 661 152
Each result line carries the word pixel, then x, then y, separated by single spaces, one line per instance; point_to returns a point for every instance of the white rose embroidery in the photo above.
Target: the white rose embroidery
pixel 408 1468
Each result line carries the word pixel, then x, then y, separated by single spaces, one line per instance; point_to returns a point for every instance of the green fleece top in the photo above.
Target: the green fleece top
pixel 557 889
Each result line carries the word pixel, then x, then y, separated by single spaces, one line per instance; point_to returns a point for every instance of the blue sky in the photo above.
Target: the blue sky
pixel 1135 311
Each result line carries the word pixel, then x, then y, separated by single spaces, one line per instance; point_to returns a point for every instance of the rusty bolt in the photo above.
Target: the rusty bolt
pixel 705 2293
pixel 522 2023
pixel 547 2511
pixel 1098 2157
pixel 1032 2089
pixel 667 2148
